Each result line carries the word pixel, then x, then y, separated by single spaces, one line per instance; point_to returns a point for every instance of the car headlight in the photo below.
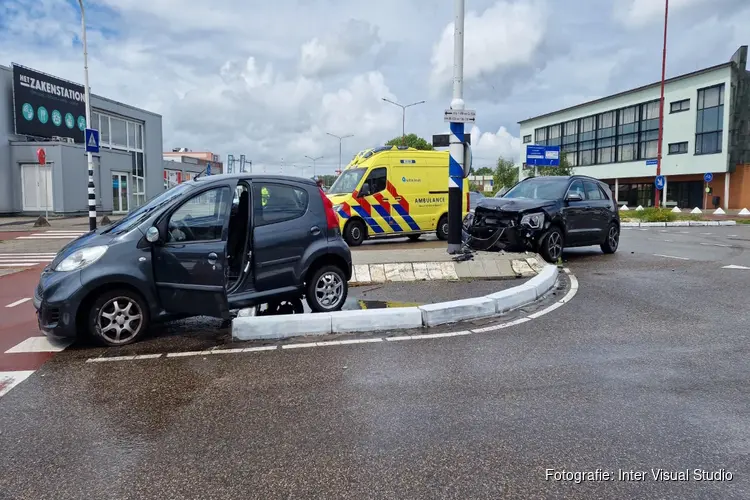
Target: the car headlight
pixel 534 221
pixel 81 258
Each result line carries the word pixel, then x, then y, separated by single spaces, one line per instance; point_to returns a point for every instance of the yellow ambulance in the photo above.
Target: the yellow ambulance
pixel 394 191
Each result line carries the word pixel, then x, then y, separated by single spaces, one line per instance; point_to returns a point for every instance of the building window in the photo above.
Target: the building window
pixel 605 138
pixel 627 134
pixel 649 129
pixel 678 148
pixel 527 139
pixel 709 123
pixel 586 146
pixel 125 135
pixel 540 136
pixel 678 106
pixel 553 135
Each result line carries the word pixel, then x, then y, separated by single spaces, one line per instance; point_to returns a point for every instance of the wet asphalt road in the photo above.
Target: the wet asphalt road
pixel 646 368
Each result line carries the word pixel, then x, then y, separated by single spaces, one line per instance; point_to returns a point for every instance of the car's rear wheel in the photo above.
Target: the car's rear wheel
pixel 613 239
pixel 354 233
pixel 118 317
pixel 414 237
pixel 327 289
pixel 442 228
pixel 551 245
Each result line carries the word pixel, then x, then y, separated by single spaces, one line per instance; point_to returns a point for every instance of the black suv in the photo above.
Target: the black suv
pixel 545 215
pixel 205 247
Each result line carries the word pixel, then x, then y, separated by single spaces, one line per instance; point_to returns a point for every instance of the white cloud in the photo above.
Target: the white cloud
pixel 332 53
pixel 637 13
pixel 489 145
pixel 505 36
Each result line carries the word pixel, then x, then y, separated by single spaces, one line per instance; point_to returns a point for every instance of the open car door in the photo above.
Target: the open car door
pixel 190 264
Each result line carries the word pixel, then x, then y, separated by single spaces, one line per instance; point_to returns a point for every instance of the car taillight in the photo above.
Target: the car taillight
pixel 332 220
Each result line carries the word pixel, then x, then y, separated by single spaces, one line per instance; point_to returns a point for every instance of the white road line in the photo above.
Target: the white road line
pixel 18 302
pixel 715 245
pixel 8 380
pixel 707 234
pixel 430 336
pixel 670 256
pixel 684 232
pixel 299 346
pixel 19 264
pixel 501 326
pixel 732 266
pixel 38 344
pixel 226 351
pixel 111 358
pixel 188 353
pixel 45 237
pixel 261 348
pixel 35 255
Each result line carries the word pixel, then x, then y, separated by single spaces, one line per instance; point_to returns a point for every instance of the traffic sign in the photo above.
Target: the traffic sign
pixel 92 140
pixel 547 156
pixel 651 162
pixel 708 177
pixel 659 182
pixel 41 156
pixel 460 115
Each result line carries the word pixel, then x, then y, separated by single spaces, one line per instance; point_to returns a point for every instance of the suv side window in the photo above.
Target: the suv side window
pixel 592 191
pixel 377 180
pixel 201 218
pixel 577 188
pixel 278 203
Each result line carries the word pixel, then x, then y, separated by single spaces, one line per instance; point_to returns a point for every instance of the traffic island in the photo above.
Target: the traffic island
pixel 542 279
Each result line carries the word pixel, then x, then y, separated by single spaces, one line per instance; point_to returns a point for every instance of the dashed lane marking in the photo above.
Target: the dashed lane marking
pixel 733 266
pixel 8 380
pixel 429 336
pixel 715 245
pixel 38 344
pixel 53 235
pixel 670 256
pixel 19 302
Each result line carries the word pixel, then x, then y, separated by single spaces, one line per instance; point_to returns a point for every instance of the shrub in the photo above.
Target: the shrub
pixel 653 214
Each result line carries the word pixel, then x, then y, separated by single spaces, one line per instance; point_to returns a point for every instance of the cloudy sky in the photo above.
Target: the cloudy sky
pixel 269 79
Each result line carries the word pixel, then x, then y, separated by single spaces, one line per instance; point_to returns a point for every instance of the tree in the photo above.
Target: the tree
pixel 505 174
pixel 484 171
pixel 412 141
pixel 563 169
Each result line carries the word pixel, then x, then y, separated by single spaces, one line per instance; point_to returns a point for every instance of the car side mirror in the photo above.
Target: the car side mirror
pixel 574 197
pixel 152 235
pixel 365 191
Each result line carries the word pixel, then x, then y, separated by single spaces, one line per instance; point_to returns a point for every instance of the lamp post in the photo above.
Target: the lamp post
pixel 314 160
pixel 90 158
pixel 456 163
pixel 340 138
pixel 403 115
pixel 661 106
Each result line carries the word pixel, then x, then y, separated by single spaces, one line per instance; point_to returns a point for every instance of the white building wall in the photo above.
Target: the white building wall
pixel 678 127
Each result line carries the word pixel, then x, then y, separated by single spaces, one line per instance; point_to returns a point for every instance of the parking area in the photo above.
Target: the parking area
pixel 648 360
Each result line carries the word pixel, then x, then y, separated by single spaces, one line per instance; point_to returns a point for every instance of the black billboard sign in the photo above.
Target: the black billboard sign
pixel 46 106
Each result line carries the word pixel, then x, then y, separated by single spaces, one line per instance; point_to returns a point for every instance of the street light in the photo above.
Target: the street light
pixel 314 160
pixel 90 158
pixel 403 115
pixel 340 138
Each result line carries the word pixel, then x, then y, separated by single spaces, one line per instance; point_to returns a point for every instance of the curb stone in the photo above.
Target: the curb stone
pixel 246 327
pixel 681 223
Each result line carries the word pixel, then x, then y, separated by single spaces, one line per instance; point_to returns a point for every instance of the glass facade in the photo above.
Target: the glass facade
pixel 709 120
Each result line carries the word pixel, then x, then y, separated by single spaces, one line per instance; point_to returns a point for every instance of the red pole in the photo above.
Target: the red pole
pixel 661 102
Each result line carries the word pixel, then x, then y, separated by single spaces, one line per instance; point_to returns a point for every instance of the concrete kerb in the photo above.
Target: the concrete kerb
pixel 373 320
pixel 681 223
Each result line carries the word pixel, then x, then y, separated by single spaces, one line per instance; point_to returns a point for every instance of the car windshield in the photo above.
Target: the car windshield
pixel 542 188
pixel 347 181
pixel 137 216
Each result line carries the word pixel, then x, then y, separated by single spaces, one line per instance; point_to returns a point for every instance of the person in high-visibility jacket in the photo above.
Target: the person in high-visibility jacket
pixel 264 196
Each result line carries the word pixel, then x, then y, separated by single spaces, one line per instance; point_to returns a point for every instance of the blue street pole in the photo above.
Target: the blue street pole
pixel 456 164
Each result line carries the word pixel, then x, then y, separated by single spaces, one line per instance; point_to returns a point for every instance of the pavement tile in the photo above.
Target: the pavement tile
pixel 435 271
pixel 420 271
pixel 392 272
pixel 406 272
pixel 377 273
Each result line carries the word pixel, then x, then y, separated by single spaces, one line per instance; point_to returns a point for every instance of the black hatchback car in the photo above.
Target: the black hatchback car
pixel 205 247
pixel 545 215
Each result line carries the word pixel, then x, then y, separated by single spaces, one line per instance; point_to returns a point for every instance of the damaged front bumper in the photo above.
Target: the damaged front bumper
pixel 491 232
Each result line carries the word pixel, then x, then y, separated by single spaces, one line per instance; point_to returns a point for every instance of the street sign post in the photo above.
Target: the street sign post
pixel 92 140
pixel 460 115
pixel 659 182
pixel 708 177
pixel 543 156
pixel 651 162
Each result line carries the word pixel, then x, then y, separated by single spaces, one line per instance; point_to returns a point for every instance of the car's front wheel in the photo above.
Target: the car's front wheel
pixel 118 317
pixel 613 239
pixel 327 289
pixel 551 245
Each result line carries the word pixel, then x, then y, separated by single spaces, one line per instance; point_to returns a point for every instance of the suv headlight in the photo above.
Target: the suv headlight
pixel 534 221
pixel 81 258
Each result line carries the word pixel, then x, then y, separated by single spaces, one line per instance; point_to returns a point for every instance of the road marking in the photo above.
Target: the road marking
pixel 707 234
pixel 715 245
pixel 38 344
pixel 8 380
pixel 684 232
pixel 567 298
pixel 732 266
pixel 53 235
pixel 18 302
pixel 670 256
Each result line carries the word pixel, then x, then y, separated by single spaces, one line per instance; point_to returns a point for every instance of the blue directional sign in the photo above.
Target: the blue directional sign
pixel 208 169
pixel 92 140
pixel 659 182
pixel 542 156
pixel 651 162
pixel 708 177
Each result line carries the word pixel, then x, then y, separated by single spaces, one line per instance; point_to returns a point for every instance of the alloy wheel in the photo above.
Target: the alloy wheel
pixel 356 234
pixel 554 245
pixel 329 290
pixel 120 320
pixel 613 238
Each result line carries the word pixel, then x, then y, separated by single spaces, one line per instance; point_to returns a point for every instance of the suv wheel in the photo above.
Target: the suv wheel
pixel 442 228
pixel 354 233
pixel 327 289
pixel 118 317
pixel 613 239
pixel 551 245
